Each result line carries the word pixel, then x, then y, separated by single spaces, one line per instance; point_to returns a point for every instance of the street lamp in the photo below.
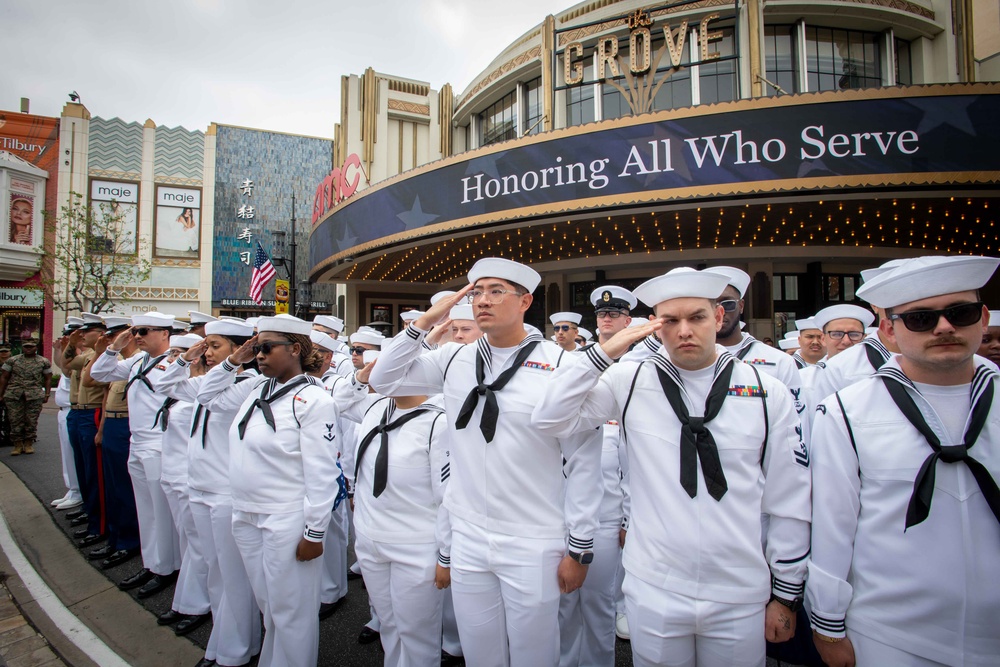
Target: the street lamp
pixel 287 262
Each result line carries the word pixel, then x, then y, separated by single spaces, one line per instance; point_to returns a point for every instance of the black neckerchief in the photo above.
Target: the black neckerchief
pixel 163 414
pixel 876 352
pixel 383 429
pixel 141 375
pixel 265 403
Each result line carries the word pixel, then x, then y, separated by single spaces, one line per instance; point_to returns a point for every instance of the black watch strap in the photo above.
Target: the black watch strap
pixel 793 605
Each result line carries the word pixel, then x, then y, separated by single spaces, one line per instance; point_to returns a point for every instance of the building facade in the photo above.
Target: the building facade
pixel 801 141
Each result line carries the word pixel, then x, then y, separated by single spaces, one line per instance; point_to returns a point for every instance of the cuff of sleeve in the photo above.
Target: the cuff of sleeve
pixel 415 333
pixel 831 626
pixel 181 362
pixel 228 367
pixel 599 358
pixel 313 535
pixel 444 561
pixel 357 384
pixel 426 346
pixel 624 523
pixel 787 590
pixel 578 544
pixel 111 353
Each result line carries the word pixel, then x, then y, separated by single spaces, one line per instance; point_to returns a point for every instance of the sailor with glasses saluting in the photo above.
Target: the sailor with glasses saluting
pixel 906 509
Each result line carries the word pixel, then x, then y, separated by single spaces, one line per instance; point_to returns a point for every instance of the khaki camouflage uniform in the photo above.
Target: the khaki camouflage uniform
pixel 25 395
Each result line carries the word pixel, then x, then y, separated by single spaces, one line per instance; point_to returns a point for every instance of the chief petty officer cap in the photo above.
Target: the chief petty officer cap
pixel 330 322
pixel 505 269
pixel 233 327
pixel 115 322
pixel 322 340
pixel 284 324
pixel 737 278
pixel 612 297
pixel 462 311
pixel 92 321
pixel 682 282
pixel 843 310
pixel 184 341
pixel 924 277
pixel 871 274
pixel 805 323
pixel 440 295
pixel 74 323
pixel 367 336
pixel 200 318
pixel 575 318
pixel 159 320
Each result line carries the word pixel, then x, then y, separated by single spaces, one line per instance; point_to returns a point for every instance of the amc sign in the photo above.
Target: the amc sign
pixel 342 182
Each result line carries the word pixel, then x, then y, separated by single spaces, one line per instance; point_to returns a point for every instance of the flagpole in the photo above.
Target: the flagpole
pixel 293 289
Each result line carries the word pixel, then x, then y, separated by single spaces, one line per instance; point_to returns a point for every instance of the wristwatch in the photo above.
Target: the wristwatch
pixel 793 605
pixel 582 557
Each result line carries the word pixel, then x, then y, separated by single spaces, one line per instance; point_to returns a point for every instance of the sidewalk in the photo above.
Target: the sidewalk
pixel 20 645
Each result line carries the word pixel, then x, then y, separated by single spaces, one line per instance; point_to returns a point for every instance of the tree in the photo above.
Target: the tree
pixel 94 253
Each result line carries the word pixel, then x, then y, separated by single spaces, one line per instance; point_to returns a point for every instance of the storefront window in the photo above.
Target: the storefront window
pixel 904 67
pixel 842 59
pixel 533 106
pixel 499 121
pixel 780 59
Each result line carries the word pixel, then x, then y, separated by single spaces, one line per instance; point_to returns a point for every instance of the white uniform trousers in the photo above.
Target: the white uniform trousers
pixel 161 553
pixel 587 615
pixel 619 579
pixel 191 590
pixel 287 590
pixel 669 629
pixel 870 652
pixel 334 584
pixel 450 642
pixel 506 594
pixel 68 463
pixel 236 630
pixel 400 583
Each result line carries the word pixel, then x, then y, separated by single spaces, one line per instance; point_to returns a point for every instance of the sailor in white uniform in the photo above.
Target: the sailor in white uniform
pixel 566 325
pixel 283 474
pixel 810 340
pixel 906 513
pixel 515 544
pixel 790 344
pixel 333 326
pixel 403 470
pixel 198 321
pixel 158 537
pixel 587 617
pixel 712 444
pixel 843 326
pixel 236 629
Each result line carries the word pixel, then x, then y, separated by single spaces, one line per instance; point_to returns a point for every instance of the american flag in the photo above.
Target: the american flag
pixel 263 271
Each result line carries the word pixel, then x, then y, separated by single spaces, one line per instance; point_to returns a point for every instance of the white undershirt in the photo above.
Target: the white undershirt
pixel 500 355
pixel 697 384
pixel 952 404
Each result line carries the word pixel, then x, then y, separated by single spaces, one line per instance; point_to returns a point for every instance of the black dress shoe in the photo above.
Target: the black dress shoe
pixel 189 623
pixel 75 514
pixel 80 534
pixel 91 540
pixel 136 580
pixel 101 552
pixel 119 557
pixel 368 636
pixel 80 520
pixel 449 660
pixel 169 617
pixel 352 575
pixel 156 584
pixel 327 609
pixel 205 662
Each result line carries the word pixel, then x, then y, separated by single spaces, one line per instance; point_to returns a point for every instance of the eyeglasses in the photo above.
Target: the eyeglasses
pixel 268 346
pixel 563 327
pixel 358 350
pixel 855 336
pixel 613 314
pixel 488 296
pixel 144 331
pixel 962 315
pixel 729 305
pixel 580 341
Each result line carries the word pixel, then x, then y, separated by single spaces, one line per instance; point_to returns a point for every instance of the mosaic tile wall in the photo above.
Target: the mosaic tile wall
pixel 279 165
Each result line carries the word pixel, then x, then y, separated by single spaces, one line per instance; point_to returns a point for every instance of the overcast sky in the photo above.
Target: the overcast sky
pixel 272 65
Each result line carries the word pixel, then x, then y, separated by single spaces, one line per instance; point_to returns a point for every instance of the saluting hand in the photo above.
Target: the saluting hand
pixel 101 345
pixel 194 352
pixel 620 343
pixel 308 550
pixel 121 341
pixel 437 332
pixel 439 311
pixel 362 374
pixel 243 353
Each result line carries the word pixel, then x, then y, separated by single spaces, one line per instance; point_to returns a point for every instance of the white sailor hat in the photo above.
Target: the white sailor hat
pixel 115 322
pixel 737 278
pixel 791 335
pixel 323 340
pixel 74 322
pixel 200 318
pixel 462 311
pixel 680 283
pixel 994 318
pixel 505 269
pixel 586 334
pixel 368 336
pixel 284 324
pixel 161 320
pixel 229 328
pixel 252 321
pixel 805 323
pixel 924 277
pixel 410 315
pixel 789 344
pixel 92 321
pixel 612 297
pixel 842 311
pixel 184 341
pixel 638 322
pixel 440 295
pixel 871 274
pixel 230 318
pixel 330 322
pixel 575 318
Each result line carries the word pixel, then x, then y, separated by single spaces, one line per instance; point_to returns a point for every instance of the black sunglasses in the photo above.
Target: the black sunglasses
pixel 358 350
pixel 963 315
pixel 144 331
pixel 268 346
pixel 562 327
pixel 729 305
